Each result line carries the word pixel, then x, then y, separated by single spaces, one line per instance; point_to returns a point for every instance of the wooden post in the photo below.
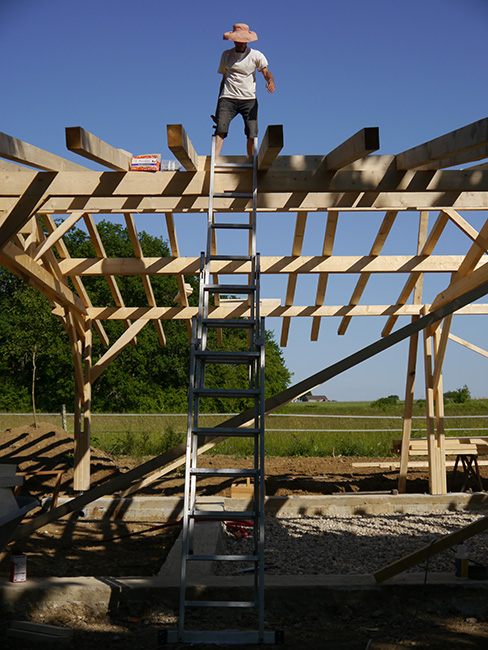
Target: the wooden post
pixel 82 434
pixel 407 411
pixel 412 362
pixel 435 441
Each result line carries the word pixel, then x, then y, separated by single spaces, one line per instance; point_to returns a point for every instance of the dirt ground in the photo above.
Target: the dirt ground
pixel 72 546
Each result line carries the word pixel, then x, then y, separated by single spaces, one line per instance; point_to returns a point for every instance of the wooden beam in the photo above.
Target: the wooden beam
pixel 13 258
pixel 443 333
pixel 63 253
pixel 329 238
pixel 270 308
pixel 146 281
pixel 460 159
pixel 57 234
pixel 127 337
pixel 296 251
pixel 356 147
pixel 467 228
pixel 439 545
pixel 89 146
pixel 271 146
pixel 467 138
pixel 378 244
pixel 22 152
pixel 414 277
pixel 273 265
pixel 100 251
pixel 437 458
pixel 32 198
pixel 180 184
pixel 181 147
pixel 470 346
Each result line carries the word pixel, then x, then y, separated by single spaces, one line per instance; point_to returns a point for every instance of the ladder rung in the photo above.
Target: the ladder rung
pixel 224 558
pixel 229 258
pixel 233 195
pixel 230 288
pixel 226 431
pixel 233 165
pixel 227 392
pixel 222 471
pixel 219 514
pixel 220 603
pixel 215 356
pixel 231 226
pixel 245 323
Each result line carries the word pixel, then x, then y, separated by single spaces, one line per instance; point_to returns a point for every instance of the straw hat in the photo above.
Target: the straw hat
pixel 240 34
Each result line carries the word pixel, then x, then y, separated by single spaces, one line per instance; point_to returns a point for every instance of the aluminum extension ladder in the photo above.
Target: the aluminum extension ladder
pixel 203 355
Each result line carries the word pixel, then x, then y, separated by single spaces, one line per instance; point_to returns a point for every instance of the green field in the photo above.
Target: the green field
pixel 322 429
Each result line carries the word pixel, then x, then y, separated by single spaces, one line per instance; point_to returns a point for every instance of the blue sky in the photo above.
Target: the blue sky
pixel 123 70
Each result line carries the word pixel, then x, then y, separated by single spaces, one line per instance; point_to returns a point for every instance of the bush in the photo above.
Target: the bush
pixel 458 396
pixel 384 402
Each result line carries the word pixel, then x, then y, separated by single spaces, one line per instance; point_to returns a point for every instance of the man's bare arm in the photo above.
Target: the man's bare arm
pixel 270 84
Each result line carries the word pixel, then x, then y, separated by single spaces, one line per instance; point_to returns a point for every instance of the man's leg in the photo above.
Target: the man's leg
pixel 225 114
pixel 219 141
pixel 249 112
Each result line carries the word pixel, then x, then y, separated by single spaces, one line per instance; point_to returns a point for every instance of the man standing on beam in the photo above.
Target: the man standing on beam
pixel 237 93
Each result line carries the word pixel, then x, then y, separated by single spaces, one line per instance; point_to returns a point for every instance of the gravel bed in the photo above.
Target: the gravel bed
pixel 356 544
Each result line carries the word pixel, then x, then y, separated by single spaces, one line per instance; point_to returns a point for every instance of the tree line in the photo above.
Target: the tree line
pixel 36 367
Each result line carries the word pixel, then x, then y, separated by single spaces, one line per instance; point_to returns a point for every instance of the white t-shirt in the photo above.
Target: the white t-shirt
pixel 239 69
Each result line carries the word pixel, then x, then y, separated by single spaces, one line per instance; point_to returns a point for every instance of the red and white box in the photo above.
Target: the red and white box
pixel 18 568
pixel 146 163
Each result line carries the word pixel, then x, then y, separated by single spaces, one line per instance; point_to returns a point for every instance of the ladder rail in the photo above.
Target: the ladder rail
pixel 201 356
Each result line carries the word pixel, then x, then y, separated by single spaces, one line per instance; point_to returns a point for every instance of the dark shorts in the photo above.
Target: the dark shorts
pixel 229 108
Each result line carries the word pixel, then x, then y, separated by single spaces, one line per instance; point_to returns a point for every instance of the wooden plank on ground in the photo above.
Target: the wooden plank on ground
pixel 448 541
pixel 89 146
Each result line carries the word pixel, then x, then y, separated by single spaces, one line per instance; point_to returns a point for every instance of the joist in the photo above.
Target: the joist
pixel 112 353
pixel 271 145
pixel 356 147
pixel 330 231
pixel 286 265
pixel 13 258
pixel 181 184
pixel 378 244
pixel 27 154
pixel 427 249
pixel 296 251
pixel 470 137
pixel 89 146
pixel 181 147
pixel 271 311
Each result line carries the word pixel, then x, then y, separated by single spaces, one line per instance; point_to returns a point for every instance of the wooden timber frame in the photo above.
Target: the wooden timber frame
pixel 429 182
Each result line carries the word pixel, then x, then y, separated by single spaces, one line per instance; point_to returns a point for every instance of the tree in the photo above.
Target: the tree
pixel 458 396
pixel 145 377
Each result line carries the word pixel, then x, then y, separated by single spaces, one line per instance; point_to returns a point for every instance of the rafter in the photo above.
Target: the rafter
pixel 296 251
pixel 467 138
pixel 329 237
pixel 89 146
pixel 427 249
pixel 378 244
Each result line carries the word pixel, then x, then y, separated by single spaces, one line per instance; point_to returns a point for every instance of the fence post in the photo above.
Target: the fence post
pixel 63 416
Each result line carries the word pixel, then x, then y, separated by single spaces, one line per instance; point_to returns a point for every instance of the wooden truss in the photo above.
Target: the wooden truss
pixel 425 183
